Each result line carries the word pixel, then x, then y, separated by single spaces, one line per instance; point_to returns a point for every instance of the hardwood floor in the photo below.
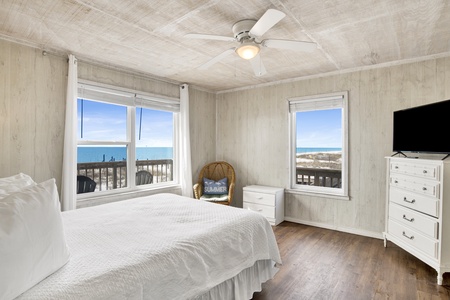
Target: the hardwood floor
pixel 326 264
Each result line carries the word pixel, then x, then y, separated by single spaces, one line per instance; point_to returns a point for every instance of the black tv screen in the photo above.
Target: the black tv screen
pixel 424 128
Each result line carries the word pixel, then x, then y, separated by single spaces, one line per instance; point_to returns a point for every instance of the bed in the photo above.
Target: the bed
pixel 163 246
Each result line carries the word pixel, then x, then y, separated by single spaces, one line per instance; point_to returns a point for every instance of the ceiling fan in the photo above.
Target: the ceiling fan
pixel 248 34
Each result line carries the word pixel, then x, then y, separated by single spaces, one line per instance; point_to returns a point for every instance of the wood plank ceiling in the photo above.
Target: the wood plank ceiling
pixel 148 36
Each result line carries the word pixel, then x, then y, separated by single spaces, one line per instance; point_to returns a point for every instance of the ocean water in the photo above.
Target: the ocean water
pixel 312 150
pixel 98 154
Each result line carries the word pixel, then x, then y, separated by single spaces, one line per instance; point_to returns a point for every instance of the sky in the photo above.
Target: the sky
pixel 107 122
pixel 319 129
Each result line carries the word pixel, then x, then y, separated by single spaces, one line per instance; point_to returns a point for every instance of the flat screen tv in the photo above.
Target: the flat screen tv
pixel 424 129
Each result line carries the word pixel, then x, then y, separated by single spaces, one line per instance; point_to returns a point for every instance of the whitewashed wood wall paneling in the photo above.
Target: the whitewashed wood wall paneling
pixel 32 105
pixel 120 78
pixel 5 114
pixel 253 129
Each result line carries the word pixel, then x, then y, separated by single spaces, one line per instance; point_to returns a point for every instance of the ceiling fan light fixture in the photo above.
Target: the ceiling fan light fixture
pixel 247 50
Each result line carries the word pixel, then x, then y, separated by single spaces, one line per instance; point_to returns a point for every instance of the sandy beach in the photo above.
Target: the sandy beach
pixel 320 160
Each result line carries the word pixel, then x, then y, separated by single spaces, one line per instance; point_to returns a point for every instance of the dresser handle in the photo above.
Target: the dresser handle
pixel 259 209
pixel 425 172
pixel 412 201
pixel 395 181
pixel 409 237
pixel 410 220
pixel 396 167
pixel 424 188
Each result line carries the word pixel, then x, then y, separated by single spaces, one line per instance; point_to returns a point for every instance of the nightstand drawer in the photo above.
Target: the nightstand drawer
pixel 427 205
pixel 413 169
pixel 266 211
pixel 415 239
pixel 417 221
pixel 259 198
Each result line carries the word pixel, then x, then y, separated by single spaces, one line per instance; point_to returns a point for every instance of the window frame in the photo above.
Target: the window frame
pixel 131 99
pixel 310 103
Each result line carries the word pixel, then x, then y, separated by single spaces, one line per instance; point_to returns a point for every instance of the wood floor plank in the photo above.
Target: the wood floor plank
pixel 326 264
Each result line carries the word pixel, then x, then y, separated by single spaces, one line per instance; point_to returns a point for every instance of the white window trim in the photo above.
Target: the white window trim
pixel 317 102
pixel 89 90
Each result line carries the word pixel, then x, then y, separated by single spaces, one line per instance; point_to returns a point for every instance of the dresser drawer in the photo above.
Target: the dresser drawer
pixel 419 241
pixel 265 210
pixel 413 169
pixel 424 187
pixel 259 198
pixel 415 220
pixel 427 205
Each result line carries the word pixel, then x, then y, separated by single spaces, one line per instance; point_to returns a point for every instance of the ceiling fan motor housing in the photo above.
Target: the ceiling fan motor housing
pixel 241 29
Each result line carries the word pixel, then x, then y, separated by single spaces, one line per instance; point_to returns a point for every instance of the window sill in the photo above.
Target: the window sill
pixel 317 194
pixel 93 199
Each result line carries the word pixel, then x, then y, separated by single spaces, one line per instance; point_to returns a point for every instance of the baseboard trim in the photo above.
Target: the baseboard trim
pixel 372 234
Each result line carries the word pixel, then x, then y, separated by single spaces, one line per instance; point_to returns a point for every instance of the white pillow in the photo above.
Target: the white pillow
pixel 32 241
pixel 9 185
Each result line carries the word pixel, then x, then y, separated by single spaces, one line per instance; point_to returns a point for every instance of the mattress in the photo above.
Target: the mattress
pixel 163 246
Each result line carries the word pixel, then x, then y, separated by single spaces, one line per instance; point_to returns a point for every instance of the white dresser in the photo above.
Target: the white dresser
pixel 418 210
pixel 268 201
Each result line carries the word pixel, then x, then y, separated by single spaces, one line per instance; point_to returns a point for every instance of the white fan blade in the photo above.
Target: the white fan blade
pixel 258 66
pixel 288 44
pixel 267 21
pixel 216 59
pixel 210 37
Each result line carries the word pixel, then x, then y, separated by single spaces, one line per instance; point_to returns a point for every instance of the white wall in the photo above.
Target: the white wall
pixel 252 130
pixel 32 103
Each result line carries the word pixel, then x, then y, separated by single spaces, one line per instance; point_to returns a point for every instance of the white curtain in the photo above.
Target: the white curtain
pixel 68 186
pixel 186 169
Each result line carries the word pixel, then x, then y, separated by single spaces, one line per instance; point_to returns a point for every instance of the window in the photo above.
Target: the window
pixel 117 127
pixel 318 144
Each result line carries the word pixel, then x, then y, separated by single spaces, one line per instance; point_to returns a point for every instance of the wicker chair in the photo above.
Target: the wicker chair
pixel 216 171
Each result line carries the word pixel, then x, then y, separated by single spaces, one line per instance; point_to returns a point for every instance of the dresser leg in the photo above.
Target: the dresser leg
pixel 439 277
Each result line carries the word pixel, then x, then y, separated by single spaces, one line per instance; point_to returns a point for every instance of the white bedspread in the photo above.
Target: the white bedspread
pixel 158 247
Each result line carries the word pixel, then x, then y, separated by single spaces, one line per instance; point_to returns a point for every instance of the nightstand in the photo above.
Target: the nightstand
pixel 266 200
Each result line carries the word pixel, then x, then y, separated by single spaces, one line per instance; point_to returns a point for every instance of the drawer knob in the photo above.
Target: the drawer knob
pixel 406 200
pixel 424 188
pixel 425 172
pixel 395 181
pixel 409 237
pixel 396 167
pixel 410 220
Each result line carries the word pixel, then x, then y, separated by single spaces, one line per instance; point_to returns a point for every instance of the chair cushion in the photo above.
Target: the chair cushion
pixel 211 187
pixel 214 198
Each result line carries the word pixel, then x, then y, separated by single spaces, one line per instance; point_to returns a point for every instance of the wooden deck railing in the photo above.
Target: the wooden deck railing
pixel 113 175
pixel 319 177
